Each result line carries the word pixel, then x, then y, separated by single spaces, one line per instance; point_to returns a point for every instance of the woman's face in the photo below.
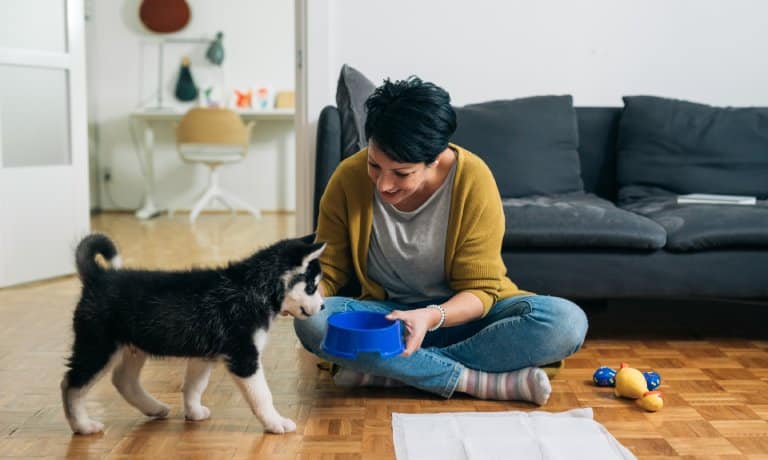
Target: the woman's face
pixel 396 182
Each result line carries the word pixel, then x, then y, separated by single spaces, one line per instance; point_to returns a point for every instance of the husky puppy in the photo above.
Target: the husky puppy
pixel 205 315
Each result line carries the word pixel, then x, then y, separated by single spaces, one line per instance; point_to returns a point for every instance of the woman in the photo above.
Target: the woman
pixel 419 222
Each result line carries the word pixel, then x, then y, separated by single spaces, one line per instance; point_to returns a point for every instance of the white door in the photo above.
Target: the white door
pixel 44 201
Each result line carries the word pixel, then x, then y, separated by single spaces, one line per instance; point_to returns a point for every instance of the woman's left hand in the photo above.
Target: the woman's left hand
pixel 417 322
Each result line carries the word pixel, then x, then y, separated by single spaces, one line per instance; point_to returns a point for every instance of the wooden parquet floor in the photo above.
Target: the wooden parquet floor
pixel 713 359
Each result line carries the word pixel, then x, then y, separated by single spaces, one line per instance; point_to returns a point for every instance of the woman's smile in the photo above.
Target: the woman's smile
pixel 390 194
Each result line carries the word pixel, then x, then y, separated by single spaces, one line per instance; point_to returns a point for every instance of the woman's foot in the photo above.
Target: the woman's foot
pixel 529 384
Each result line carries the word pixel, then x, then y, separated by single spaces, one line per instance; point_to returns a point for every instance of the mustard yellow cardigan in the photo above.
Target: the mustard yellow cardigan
pixel 473 243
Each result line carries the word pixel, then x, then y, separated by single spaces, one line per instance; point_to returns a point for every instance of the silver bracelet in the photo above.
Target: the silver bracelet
pixel 442 317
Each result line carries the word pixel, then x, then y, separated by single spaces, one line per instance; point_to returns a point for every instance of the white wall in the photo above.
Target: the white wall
pixel 709 51
pixel 597 50
pixel 122 74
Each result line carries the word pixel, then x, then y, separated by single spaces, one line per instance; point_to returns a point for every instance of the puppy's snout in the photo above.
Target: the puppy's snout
pixel 309 311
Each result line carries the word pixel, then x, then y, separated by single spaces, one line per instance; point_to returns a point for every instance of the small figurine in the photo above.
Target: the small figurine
pixel 212 96
pixel 263 97
pixel 185 87
pixel 243 99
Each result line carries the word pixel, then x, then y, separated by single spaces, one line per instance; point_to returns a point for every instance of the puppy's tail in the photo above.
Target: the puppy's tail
pixel 85 256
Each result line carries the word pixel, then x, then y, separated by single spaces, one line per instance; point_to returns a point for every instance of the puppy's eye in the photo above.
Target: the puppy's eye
pixel 312 283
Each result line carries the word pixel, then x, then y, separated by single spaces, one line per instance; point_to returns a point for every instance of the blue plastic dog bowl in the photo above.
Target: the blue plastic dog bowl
pixel 353 332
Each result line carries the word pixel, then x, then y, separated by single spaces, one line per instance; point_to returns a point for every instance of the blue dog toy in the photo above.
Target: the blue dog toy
pixel 604 376
pixel 652 379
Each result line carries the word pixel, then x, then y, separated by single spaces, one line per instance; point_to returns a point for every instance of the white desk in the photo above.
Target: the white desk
pixel 146 120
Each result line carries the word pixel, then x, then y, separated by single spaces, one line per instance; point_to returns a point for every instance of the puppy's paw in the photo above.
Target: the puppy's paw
pixel 289 425
pixel 88 427
pixel 279 425
pixel 160 411
pixel 197 413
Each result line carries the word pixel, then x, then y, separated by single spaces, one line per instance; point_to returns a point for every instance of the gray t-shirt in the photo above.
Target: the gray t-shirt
pixel 407 251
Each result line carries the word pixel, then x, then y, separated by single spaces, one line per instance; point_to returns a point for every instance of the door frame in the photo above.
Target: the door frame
pixel 315 88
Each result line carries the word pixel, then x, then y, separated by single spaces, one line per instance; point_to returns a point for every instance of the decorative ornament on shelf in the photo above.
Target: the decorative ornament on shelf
pixel 243 99
pixel 185 88
pixel 164 16
pixel 285 100
pixel 212 96
pixel 264 97
pixel 214 55
pixel 215 52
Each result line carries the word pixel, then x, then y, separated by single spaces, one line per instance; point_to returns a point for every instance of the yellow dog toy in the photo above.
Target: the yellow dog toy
pixel 631 383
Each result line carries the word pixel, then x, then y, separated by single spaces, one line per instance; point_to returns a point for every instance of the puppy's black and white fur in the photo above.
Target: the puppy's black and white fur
pixel 205 315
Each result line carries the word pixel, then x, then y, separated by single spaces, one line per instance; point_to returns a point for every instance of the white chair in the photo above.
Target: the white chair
pixel 214 136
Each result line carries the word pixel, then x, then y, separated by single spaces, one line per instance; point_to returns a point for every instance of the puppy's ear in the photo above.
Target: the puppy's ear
pixel 314 252
pixel 308 239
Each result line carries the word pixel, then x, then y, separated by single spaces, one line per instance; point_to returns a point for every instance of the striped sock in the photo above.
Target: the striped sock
pixel 350 378
pixel 529 384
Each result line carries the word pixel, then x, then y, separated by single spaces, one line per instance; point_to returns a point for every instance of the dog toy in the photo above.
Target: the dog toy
pixel 633 384
pixel 604 376
pixel 630 383
pixel 651 401
pixel 653 379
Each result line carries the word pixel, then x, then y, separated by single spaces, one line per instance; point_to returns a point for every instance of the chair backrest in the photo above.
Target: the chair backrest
pixel 212 126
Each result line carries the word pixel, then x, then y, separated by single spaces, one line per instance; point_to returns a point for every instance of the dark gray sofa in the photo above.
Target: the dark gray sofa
pixel 577 244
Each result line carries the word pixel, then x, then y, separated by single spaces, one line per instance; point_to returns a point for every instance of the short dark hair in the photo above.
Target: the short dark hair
pixel 410 120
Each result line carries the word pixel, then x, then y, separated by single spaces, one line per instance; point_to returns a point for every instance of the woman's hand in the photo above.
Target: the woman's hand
pixel 417 322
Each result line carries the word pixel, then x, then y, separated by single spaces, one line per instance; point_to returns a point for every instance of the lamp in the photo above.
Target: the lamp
pixel 214 54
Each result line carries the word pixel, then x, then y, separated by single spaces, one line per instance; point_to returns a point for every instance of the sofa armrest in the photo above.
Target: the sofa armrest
pixel 328 153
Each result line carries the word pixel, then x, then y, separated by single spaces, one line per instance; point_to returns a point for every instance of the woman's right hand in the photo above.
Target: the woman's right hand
pixel 417 323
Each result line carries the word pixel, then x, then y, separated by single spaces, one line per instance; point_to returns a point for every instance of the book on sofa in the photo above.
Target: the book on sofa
pixel 707 198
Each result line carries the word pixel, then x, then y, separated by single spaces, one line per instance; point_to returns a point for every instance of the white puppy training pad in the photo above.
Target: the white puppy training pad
pixel 568 435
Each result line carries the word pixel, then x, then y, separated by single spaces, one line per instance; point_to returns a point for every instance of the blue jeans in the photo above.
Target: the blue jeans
pixel 518 332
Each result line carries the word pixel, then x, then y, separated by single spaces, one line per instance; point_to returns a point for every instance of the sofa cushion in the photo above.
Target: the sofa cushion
pixel 351 92
pixel 696 227
pixel 684 147
pixel 530 144
pixel 576 220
